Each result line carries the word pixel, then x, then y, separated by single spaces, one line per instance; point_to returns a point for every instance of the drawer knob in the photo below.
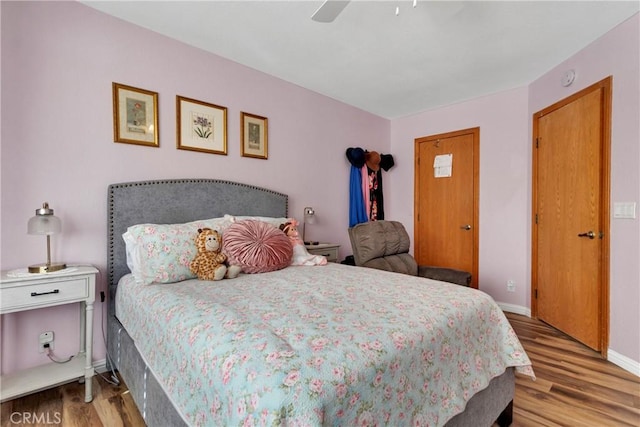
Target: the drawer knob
pixel 37 294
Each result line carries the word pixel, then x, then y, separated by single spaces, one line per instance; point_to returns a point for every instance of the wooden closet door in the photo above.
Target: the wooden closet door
pixel 570 239
pixel 446 215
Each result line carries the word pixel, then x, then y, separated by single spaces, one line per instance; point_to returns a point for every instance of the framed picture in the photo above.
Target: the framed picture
pixel 135 115
pixel 201 126
pixel 253 131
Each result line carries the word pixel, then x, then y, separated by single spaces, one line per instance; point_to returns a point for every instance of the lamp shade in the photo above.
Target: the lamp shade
pixel 44 223
pixel 309 215
pixel 309 218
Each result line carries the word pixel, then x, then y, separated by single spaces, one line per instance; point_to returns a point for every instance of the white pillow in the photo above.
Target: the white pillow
pixel 275 221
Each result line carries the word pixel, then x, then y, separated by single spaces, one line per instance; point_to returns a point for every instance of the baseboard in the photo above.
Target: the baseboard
pixel 618 359
pixel 100 366
pixel 624 362
pixel 517 309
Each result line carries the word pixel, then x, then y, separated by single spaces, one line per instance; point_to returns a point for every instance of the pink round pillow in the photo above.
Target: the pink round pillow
pixel 256 246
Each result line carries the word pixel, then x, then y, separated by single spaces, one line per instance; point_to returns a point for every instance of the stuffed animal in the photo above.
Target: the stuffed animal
pixel 300 254
pixel 209 263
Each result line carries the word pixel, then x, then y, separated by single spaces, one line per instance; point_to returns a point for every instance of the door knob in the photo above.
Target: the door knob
pixel 466 227
pixel 589 234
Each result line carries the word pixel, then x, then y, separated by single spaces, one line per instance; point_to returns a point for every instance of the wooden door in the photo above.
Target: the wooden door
pixel 570 207
pixel 446 202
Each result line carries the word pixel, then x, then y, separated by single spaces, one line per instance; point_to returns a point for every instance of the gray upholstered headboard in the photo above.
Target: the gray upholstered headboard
pixel 177 201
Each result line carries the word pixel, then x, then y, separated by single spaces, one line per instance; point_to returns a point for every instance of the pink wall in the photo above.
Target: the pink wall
pixel 58 62
pixel 505 176
pixel 504 183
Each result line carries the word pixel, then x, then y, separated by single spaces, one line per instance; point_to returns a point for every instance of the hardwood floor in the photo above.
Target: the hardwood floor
pixel 112 406
pixel 574 387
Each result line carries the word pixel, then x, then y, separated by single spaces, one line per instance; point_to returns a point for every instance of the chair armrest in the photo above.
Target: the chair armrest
pixel 443 274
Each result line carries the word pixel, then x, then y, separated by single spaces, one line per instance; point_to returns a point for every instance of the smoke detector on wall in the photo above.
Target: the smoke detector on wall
pixel 567 78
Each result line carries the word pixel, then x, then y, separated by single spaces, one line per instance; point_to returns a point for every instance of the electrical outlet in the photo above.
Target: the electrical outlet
pixel 511 285
pixel 45 338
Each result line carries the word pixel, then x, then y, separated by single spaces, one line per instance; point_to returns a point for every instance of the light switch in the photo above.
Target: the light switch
pixel 624 210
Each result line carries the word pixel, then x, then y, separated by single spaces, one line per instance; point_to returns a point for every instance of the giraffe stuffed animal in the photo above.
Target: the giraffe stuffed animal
pixel 209 263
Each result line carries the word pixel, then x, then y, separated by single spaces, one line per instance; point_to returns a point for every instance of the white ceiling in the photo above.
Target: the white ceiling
pixel 438 53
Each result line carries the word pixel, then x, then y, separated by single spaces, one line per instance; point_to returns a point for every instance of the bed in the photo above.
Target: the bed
pixel 304 345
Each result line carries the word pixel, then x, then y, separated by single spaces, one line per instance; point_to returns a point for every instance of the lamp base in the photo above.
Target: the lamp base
pixel 47 268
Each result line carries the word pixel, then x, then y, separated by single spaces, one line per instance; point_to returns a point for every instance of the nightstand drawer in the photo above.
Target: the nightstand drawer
pixel 36 295
pixel 327 250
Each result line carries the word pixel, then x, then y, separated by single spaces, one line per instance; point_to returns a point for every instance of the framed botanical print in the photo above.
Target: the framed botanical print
pixel 254 135
pixel 201 126
pixel 135 115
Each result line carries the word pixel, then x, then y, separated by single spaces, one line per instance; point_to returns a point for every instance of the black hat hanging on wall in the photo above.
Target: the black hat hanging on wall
pixel 386 161
pixel 356 156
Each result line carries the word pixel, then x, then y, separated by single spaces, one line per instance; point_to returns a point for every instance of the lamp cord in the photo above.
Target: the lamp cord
pixel 53 359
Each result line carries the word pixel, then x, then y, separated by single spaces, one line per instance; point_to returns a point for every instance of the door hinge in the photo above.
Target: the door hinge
pixel 535 294
pixel 537 142
pixel 536 218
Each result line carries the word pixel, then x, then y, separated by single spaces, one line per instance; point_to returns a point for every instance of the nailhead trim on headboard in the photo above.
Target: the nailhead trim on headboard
pixel 280 206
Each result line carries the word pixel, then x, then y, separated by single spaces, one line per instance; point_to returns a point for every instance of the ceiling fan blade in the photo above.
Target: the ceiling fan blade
pixel 329 10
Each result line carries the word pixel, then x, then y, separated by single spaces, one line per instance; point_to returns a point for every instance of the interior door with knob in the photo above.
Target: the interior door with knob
pixel 570 207
pixel 446 201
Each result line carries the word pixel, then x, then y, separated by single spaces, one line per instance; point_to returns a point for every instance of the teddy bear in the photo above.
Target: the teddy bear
pixel 300 254
pixel 209 263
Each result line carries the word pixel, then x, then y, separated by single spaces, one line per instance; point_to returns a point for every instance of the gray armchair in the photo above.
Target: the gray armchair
pixel 385 245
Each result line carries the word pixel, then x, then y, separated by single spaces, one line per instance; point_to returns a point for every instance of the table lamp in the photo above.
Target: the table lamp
pixel 309 218
pixel 45 223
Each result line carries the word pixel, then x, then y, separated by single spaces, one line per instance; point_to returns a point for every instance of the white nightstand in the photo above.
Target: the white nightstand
pixel 31 291
pixel 328 250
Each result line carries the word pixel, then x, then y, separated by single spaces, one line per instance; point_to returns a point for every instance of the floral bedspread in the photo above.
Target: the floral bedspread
pixel 331 345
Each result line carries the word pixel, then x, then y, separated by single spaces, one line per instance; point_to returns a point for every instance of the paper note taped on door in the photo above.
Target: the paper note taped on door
pixel 442 165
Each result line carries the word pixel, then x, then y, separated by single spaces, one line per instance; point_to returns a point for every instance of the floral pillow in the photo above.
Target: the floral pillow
pixel 161 253
pixel 256 246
